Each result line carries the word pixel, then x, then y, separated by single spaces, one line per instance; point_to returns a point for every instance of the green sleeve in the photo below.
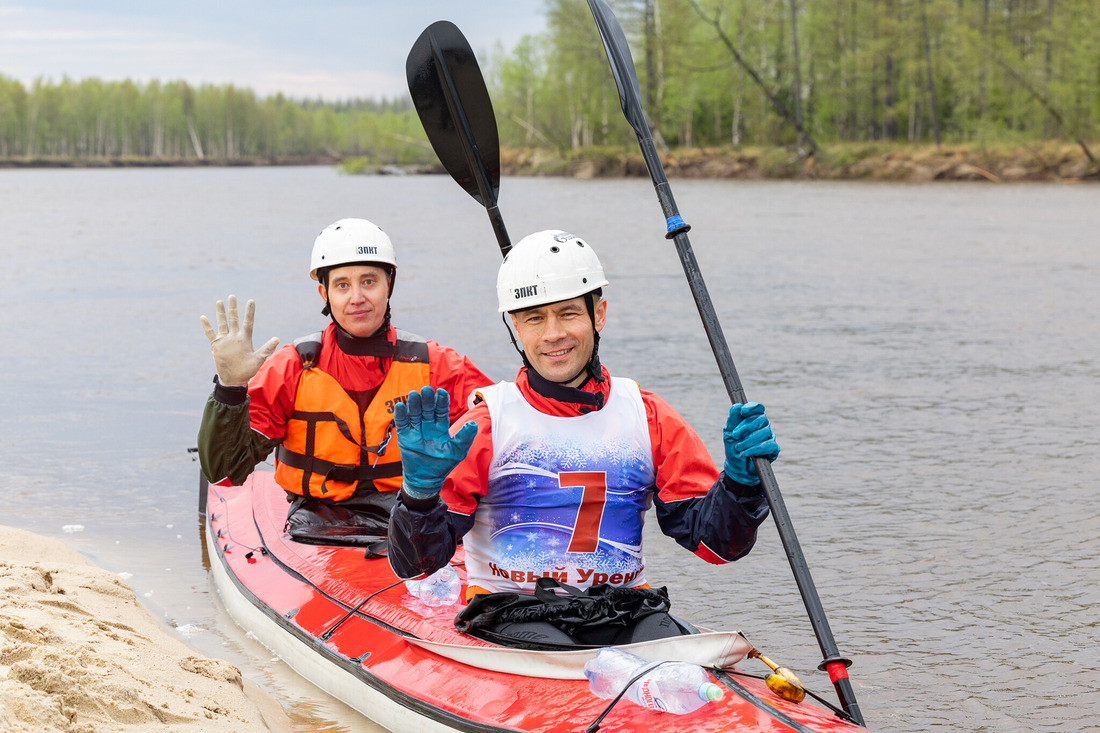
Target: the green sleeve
pixel 228 446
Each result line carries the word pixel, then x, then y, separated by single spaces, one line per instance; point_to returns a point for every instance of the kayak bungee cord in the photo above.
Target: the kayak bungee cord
pixel 227 534
pixel 327 633
pixel 840 713
pixel 595 725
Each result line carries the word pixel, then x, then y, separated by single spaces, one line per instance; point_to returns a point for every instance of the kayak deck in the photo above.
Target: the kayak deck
pixel 345 622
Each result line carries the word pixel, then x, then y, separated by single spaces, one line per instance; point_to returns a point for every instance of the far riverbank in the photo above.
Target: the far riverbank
pixel 1048 161
pixel 1053 161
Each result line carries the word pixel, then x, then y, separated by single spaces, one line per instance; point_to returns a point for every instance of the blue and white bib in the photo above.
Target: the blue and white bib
pixel 566 496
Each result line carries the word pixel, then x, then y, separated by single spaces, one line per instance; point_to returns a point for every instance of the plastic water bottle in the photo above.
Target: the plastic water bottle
pixel 413 587
pixel 672 687
pixel 441 588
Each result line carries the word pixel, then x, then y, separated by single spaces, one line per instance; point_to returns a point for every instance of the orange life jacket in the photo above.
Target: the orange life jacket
pixel 329 447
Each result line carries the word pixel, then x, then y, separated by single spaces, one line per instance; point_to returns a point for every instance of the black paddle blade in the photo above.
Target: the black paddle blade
pixel 622 65
pixel 450 97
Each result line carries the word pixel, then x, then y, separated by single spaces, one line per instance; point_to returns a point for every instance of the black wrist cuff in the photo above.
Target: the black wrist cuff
pixel 742 491
pixel 421 505
pixel 229 395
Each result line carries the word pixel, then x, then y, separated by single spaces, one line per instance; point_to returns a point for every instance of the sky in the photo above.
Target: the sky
pixel 306 49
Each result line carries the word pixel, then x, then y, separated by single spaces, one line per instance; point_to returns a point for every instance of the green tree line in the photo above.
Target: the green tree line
pixel 766 72
pixel 97 119
pixel 712 72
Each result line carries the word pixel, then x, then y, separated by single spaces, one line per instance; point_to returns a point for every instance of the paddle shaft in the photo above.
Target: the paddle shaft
pixel 470 147
pixel 622 65
pixel 833 662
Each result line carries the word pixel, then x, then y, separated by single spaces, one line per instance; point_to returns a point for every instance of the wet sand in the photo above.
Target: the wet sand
pixel 79 653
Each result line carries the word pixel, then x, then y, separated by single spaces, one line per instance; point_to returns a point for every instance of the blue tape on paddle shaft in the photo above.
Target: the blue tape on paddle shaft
pixel 676 225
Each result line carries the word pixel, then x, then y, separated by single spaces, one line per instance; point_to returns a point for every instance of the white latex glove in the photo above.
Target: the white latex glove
pixel 231 345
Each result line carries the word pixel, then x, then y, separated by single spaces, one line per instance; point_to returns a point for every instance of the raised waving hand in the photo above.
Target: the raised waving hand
pixel 231 345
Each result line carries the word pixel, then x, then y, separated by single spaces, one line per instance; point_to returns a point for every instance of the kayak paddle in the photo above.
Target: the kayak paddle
pixel 626 79
pixel 450 97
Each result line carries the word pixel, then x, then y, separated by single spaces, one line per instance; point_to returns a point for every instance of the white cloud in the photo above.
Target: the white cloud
pixel 328 49
pixel 60 36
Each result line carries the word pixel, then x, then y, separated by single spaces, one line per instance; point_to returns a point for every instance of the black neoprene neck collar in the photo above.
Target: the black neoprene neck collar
pixel 374 345
pixel 561 392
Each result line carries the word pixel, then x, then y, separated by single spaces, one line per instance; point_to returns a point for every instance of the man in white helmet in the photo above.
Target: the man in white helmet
pixel 325 404
pixel 549 478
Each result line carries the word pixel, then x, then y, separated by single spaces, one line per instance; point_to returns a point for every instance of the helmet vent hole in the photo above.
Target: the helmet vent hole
pixel 555 249
pixel 584 280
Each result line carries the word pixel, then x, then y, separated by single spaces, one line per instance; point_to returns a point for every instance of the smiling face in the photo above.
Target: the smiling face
pixel 357 296
pixel 558 338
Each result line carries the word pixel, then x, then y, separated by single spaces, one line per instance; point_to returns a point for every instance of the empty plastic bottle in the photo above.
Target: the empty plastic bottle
pixel 413 587
pixel 671 687
pixel 441 588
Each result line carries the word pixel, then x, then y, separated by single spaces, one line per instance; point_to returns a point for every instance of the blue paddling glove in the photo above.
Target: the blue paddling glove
pixel 747 434
pixel 428 451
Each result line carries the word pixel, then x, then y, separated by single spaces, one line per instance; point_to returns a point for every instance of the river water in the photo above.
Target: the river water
pixel 928 355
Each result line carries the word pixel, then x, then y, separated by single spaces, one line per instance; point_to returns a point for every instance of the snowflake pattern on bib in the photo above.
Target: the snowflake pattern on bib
pixel 566 497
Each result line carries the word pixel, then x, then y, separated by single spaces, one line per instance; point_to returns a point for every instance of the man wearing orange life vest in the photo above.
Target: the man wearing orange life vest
pixel 325 404
pixel 550 476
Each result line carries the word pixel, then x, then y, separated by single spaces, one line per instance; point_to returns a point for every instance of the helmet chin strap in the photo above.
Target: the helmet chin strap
pixel 593 366
pixel 376 344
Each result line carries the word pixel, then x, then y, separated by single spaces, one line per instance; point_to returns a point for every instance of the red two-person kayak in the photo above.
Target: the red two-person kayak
pixel 341 619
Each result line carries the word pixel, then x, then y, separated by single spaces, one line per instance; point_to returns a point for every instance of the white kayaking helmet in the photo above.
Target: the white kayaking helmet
pixel 352 241
pixel 547 267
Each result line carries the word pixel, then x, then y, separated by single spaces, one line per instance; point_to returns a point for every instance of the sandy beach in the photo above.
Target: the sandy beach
pixel 79 653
